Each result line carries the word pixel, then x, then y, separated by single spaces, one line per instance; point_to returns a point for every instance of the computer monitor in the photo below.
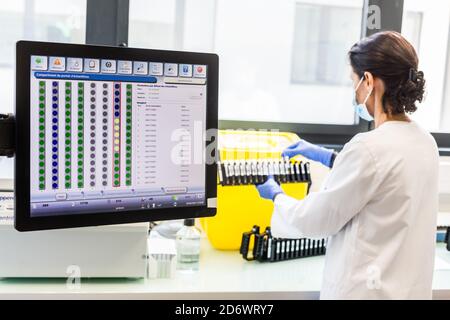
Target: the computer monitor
pixel 109 135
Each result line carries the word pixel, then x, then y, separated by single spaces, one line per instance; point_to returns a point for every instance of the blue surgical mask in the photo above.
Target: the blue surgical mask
pixel 361 108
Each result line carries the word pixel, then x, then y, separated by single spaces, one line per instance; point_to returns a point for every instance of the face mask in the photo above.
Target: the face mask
pixel 361 108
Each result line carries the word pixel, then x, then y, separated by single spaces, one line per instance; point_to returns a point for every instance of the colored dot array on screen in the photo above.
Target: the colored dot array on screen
pixel 116 136
pixel 55 132
pixel 128 131
pixel 68 137
pixel 92 135
pixel 41 135
pixel 105 130
pixel 79 119
pixel 80 136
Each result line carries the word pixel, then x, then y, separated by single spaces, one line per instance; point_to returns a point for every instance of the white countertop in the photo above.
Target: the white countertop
pixel 222 275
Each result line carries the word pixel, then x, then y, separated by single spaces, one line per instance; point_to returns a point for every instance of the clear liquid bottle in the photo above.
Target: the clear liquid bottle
pixel 188 246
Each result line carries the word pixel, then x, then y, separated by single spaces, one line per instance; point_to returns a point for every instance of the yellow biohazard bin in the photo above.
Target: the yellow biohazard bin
pixel 240 207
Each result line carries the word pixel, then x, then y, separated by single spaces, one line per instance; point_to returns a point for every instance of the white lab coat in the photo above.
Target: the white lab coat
pixel 378 205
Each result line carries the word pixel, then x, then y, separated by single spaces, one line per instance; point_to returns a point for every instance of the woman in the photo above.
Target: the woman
pixel 379 203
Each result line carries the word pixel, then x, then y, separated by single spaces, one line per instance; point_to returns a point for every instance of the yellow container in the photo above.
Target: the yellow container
pixel 240 207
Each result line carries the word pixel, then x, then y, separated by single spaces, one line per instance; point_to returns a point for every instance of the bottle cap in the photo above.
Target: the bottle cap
pixel 189 222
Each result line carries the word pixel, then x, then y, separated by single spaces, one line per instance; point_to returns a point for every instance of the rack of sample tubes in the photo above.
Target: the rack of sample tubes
pixel 256 171
pixel 266 248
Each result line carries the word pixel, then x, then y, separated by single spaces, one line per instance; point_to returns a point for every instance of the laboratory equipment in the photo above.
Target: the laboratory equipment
pixel 266 248
pixel 443 219
pixel 7 142
pixel 188 246
pixel 106 133
pixel 255 171
pixel 116 251
pixel 247 157
pixel 168 229
pixel 162 257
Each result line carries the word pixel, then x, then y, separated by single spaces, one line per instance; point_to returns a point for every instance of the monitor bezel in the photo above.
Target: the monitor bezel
pixel 24 50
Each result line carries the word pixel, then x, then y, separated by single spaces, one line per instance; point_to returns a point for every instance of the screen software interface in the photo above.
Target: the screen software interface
pixel 114 135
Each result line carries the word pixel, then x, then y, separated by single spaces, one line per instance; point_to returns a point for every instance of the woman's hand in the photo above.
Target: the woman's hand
pixel 269 189
pixel 310 151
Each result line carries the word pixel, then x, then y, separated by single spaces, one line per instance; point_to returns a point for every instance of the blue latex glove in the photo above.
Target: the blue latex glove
pixel 310 151
pixel 269 189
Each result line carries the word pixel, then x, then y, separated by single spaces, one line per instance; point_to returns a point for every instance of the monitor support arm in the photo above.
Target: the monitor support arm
pixel 7 135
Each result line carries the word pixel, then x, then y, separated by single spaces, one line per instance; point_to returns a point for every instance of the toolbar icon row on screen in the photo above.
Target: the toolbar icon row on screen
pixel 121 66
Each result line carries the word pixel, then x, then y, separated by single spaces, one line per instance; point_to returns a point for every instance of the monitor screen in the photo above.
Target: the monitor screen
pixel 111 135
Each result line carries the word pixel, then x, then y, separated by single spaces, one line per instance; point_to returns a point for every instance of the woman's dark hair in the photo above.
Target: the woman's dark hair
pixel 390 57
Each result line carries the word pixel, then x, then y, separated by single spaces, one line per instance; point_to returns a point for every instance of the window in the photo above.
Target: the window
pixel 259 44
pixel 152 24
pixel 321 34
pixel 258 53
pixel 35 20
pixel 426 24
pixel 172 24
pixel 445 117
pixel 45 20
pixel 411 27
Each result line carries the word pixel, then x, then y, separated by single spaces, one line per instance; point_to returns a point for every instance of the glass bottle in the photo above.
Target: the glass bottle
pixel 188 246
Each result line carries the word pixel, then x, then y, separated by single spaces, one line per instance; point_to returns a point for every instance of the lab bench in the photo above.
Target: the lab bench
pixel 222 275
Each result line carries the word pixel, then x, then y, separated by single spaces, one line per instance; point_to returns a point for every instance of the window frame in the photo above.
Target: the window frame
pixel 443 139
pixel 107 23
